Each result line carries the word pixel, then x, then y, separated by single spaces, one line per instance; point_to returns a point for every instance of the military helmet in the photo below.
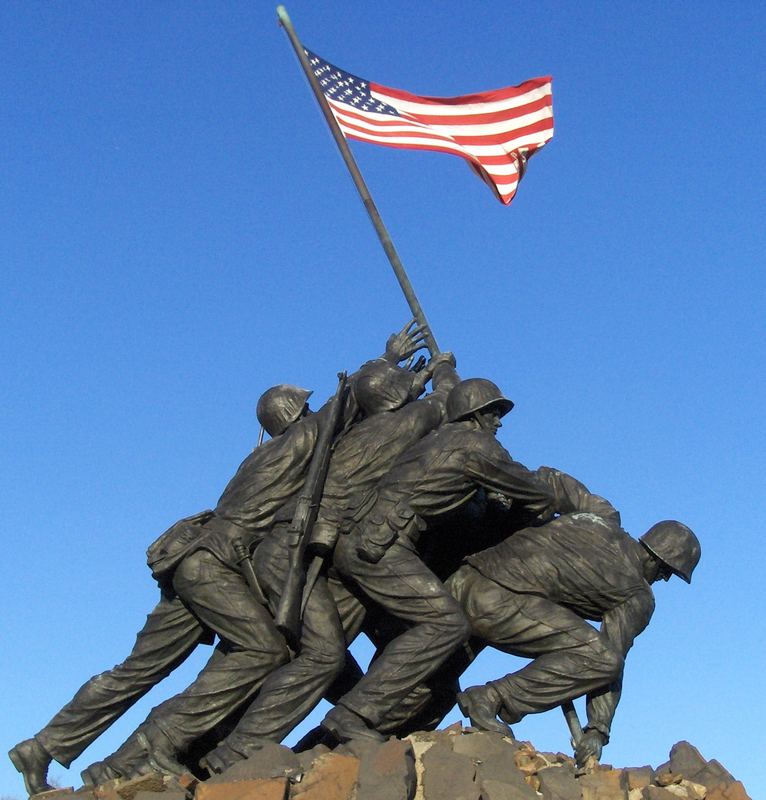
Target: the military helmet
pixel 475 394
pixel 675 545
pixel 280 406
pixel 381 386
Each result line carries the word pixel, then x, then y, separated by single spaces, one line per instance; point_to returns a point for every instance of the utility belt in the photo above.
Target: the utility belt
pixel 337 517
pixel 200 531
pixel 225 527
pixel 387 522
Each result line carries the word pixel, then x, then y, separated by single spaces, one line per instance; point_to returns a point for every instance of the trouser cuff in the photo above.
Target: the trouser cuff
pixel 508 712
pixel 369 714
pixel 64 758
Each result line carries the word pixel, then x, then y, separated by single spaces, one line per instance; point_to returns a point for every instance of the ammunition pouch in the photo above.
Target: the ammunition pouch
pixel 378 532
pixel 358 508
pixel 406 521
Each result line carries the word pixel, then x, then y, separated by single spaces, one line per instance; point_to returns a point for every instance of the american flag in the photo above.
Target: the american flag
pixel 495 132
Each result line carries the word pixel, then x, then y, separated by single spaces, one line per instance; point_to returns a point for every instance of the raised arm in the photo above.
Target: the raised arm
pixel 491 467
pixel 441 371
pixel 573 496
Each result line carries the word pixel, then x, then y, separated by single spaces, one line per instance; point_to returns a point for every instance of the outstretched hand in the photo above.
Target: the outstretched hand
pixel 408 341
pixel 589 748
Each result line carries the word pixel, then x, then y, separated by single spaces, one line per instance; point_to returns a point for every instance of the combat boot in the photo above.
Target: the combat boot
pixel 32 760
pixel 161 753
pixel 129 760
pixel 344 725
pixel 220 758
pixel 481 705
pixel 99 773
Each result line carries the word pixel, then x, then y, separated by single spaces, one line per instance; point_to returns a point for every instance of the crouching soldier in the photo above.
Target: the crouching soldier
pixel 531 595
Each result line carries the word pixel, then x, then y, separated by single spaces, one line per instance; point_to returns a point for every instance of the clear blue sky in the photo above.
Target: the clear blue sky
pixel 177 234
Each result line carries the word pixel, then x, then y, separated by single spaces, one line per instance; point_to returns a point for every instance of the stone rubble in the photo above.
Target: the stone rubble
pixel 452 764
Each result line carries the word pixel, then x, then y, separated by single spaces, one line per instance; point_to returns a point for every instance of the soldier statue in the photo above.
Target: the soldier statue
pixel 197 564
pixel 438 474
pixel 532 596
pixel 394 420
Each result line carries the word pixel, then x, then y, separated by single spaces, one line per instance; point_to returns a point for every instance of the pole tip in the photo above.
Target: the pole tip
pixel 282 13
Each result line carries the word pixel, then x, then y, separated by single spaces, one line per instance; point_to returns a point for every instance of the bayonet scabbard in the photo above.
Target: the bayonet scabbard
pixel 248 573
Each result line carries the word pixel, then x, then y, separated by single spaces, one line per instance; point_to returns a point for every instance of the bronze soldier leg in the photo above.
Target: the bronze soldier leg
pixel 406 589
pixel 249 649
pixel 289 693
pixel 427 704
pixel 170 634
pixel 570 657
pixel 353 616
pixel 350 607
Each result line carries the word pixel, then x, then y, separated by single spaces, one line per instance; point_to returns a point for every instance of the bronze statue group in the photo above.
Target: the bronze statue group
pixel 422 533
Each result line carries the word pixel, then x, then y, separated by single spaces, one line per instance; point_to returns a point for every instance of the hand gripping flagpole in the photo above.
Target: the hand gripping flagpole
pixel 361 186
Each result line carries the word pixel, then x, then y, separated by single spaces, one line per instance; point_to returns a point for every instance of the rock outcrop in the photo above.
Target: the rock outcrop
pixel 453 764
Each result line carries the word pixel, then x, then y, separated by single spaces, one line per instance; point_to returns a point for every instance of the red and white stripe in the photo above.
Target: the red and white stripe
pixel 494 131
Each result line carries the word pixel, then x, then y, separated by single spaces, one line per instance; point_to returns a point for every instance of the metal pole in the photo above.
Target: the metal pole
pixel 361 186
pixel 573 721
pixel 576 731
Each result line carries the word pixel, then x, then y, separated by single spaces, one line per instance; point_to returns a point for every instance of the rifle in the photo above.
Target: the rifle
pixel 289 611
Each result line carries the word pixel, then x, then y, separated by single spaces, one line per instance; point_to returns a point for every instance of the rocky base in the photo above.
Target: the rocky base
pixel 453 764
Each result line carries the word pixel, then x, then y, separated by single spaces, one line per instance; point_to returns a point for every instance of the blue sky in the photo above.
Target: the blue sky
pixel 178 234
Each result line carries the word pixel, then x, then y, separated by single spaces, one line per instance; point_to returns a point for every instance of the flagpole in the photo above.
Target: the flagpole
pixel 361 186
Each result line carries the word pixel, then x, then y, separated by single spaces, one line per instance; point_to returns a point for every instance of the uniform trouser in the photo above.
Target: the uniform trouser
pixel 293 690
pixel 250 647
pixel 402 585
pixel 570 657
pixel 427 705
pixel 170 634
